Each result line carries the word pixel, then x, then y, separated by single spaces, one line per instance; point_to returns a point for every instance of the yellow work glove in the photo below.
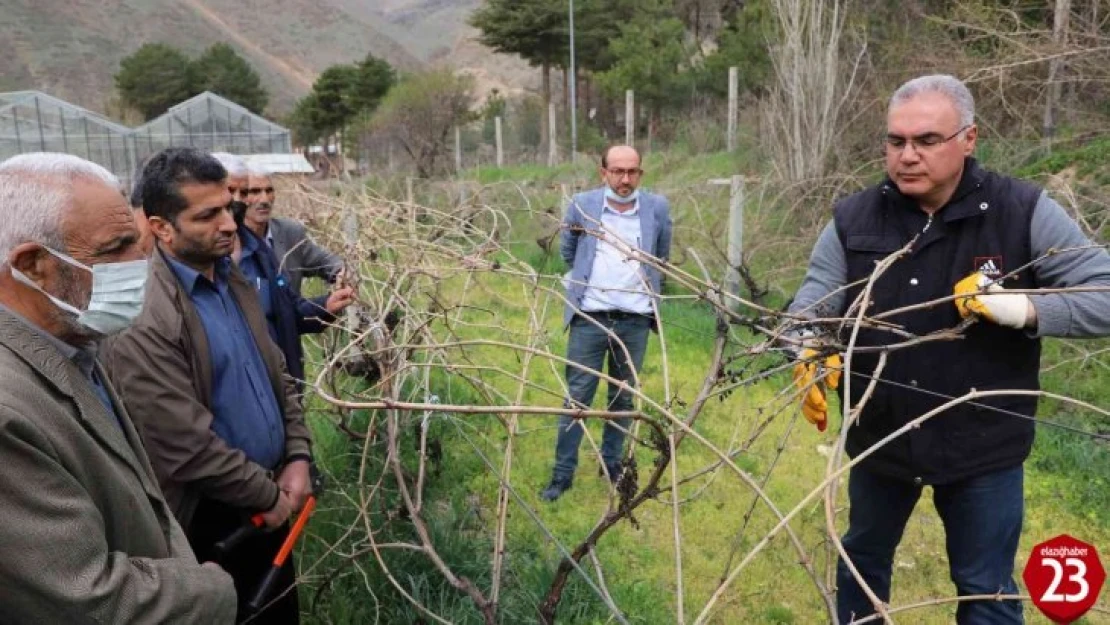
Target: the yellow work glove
pixel 990 301
pixel 808 374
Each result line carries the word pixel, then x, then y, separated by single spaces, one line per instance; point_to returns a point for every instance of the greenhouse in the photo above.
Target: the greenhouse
pixel 31 121
pixel 213 124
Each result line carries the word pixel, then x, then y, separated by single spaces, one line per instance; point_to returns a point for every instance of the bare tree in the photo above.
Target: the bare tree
pixel 811 87
pixel 420 115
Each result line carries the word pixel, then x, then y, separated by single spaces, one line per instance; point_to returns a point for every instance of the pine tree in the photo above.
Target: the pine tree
pixel 222 71
pixel 154 78
pixel 536 30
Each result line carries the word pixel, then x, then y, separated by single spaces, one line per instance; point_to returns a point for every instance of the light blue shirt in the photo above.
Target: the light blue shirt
pixel 617 281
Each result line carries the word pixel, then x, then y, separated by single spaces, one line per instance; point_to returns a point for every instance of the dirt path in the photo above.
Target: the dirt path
pixel 300 75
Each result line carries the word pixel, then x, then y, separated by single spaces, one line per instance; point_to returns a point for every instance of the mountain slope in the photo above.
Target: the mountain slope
pixel 72 48
pixel 426 27
pixel 436 31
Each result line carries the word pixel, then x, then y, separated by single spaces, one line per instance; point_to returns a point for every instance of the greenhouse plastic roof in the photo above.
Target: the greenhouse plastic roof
pixel 32 121
pixel 280 163
pixel 212 114
pixel 12 99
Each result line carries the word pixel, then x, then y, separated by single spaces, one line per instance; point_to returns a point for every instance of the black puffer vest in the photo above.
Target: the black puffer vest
pixel 984 227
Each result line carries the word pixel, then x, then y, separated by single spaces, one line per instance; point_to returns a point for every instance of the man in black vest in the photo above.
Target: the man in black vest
pixel 973 232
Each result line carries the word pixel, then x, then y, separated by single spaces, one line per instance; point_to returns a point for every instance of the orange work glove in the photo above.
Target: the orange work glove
pixel 812 377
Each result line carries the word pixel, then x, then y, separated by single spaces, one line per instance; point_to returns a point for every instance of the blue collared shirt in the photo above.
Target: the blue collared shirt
pixel 250 263
pixel 245 410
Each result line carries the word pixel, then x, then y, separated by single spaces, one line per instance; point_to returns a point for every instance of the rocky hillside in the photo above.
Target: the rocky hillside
pixel 72 48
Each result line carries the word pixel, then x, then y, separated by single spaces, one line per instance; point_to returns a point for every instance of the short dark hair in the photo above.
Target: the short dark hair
pixel 136 197
pixel 159 186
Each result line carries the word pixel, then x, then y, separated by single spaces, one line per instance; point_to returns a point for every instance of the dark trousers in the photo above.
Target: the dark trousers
pixel 247 563
pixel 982 523
pixel 591 347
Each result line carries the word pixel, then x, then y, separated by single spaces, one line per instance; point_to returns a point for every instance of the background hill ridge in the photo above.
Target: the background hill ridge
pixel 71 49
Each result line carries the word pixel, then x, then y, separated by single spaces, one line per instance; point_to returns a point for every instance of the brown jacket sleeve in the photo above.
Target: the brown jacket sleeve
pixel 298 438
pixel 314 260
pixel 58 567
pixel 154 378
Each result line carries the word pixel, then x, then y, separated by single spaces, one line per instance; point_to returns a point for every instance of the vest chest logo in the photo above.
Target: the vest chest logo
pixel 990 266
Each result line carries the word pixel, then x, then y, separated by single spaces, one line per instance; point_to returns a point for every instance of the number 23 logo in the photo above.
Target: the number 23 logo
pixel 1079 577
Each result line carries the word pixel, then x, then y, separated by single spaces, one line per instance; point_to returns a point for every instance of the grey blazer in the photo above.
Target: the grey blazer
pixel 299 256
pixel 578 246
pixel 87 534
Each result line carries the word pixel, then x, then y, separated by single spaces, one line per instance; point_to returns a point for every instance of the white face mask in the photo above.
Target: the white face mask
pixel 117 296
pixel 613 196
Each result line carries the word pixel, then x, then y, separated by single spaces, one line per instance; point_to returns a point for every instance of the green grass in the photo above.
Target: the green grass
pixel 534 174
pixel 1089 159
pixel 662 170
pixel 1066 480
pixel 1066 493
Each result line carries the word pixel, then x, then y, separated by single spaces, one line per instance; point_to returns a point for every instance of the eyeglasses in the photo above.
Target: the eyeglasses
pixel 920 143
pixel 621 173
pixel 257 190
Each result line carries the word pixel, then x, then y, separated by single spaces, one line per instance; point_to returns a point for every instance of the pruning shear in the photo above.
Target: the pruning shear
pixel 266 585
pixel 256 526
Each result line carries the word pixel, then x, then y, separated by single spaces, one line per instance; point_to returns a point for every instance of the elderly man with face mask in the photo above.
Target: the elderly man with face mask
pixel 87 534
pixel 977 235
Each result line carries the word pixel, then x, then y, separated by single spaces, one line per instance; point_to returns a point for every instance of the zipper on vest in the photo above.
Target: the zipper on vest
pixel 928 222
pixel 924 229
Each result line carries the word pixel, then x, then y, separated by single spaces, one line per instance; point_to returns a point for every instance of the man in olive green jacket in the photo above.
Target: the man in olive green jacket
pixel 86 534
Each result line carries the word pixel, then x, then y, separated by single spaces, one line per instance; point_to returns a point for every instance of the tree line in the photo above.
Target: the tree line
pixel 670 52
pixel 158 76
pixel 1038 68
pixel 367 104
pixel 341 96
pixel 365 101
